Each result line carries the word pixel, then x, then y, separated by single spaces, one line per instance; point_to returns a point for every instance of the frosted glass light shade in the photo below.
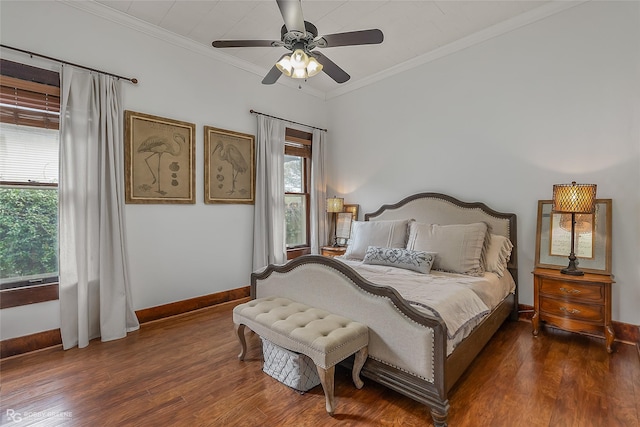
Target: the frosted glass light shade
pixel 284 65
pixel 314 67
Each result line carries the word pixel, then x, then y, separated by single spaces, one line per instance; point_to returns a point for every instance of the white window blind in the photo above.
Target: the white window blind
pixel 28 154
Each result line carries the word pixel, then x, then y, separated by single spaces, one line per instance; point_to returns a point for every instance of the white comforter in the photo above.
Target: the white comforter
pixel 460 301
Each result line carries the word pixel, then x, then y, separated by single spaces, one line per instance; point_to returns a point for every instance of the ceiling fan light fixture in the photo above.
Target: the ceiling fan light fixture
pixel 284 65
pixel 299 65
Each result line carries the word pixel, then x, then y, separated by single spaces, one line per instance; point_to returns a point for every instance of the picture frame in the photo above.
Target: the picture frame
pixel 159 159
pixel 594 256
pixel 229 166
pixel 354 209
pixel 343 227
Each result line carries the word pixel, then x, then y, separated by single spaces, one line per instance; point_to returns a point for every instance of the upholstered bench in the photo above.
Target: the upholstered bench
pixel 326 338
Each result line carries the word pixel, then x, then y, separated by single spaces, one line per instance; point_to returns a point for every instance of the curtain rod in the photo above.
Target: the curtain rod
pixel 132 80
pixel 286 120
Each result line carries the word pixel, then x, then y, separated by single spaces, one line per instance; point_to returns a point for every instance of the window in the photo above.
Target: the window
pixel 29 117
pixel 297 166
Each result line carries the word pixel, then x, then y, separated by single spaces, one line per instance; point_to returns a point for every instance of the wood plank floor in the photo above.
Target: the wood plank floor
pixel 183 371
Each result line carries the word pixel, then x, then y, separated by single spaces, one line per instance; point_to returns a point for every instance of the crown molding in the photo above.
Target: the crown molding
pixel 120 18
pixel 504 27
pixel 177 40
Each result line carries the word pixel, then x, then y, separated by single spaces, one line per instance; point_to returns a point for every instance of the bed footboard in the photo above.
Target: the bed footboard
pixel 407 348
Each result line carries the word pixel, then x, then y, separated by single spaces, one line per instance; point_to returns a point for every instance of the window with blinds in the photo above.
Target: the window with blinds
pixel 29 96
pixel 29 154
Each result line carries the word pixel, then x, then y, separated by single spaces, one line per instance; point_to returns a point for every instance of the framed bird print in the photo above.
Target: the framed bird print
pixel 159 159
pixel 229 166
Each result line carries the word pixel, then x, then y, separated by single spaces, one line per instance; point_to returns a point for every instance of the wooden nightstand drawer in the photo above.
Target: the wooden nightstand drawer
pixel 558 288
pixel 584 312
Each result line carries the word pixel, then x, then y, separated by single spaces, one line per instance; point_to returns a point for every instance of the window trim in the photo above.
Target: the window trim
pixel 303 140
pixel 28 295
pixel 34 79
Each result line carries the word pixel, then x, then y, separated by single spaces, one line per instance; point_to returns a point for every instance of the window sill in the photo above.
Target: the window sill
pixel 28 295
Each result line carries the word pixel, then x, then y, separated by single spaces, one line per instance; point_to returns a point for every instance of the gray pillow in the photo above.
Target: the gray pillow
pixel 419 261
pixel 459 246
pixel 388 234
pixel 498 254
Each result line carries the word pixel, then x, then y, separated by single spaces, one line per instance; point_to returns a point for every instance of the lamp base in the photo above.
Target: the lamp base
pixel 572 268
pixel 572 272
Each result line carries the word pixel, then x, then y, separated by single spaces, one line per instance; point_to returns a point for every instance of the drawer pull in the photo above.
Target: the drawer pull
pixel 570 291
pixel 569 311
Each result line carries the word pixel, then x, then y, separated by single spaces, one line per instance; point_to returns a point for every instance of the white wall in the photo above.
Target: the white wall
pixel 501 122
pixel 177 252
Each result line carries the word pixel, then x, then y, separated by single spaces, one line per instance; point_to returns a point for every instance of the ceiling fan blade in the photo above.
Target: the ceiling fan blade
pixel 273 75
pixel 291 11
pixel 351 38
pixel 332 70
pixel 245 43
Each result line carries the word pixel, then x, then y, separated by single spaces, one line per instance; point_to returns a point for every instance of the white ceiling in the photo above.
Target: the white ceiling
pixel 414 31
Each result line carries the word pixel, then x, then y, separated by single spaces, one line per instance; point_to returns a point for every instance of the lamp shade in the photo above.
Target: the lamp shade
pixel 335 204
pixel 576 198
pixel 284 65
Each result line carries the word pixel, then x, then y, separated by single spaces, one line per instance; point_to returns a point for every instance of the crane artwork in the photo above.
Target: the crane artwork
pixel 232 155
pixel 157 146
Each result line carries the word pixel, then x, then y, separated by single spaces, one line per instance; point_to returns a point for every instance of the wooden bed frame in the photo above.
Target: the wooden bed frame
pixel 310 278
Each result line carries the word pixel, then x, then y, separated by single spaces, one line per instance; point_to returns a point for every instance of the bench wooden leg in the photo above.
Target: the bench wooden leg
pixel 243 343
pixel 361 357
pixel 326 379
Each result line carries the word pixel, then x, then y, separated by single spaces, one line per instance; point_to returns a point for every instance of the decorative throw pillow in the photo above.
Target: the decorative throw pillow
pixel 388 234
pixel 459 247
pixel 498 254
pixel 419 261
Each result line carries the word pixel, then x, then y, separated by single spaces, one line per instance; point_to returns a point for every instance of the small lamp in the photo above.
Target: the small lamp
pixel 574 199
pixel 335 205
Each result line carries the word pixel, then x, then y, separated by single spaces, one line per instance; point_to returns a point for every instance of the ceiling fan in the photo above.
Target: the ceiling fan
pixel 301 37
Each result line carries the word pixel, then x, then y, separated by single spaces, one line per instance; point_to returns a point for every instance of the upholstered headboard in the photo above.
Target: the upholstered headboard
pixel 436 208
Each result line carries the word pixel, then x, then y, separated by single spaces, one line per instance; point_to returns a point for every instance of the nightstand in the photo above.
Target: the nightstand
pixel 573 303
pixel 332 251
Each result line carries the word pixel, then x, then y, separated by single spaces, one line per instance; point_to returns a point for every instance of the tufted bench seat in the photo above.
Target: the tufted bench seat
pixel 325 337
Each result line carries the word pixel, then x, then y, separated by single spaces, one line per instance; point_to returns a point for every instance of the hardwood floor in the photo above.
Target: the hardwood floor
pixel 184 371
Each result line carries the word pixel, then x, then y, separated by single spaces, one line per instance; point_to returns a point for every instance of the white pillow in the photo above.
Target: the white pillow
pixel 459 246
pixel 419 261
pixel 498 254
pixel 386 234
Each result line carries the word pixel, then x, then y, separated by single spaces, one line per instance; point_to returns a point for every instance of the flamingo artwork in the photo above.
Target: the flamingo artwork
pixel 234 157
pixel 157 146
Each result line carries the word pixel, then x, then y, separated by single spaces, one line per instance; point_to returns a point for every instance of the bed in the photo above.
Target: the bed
pixel 416 349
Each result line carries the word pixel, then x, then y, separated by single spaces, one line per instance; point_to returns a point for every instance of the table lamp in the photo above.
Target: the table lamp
pixel 574 199
pixel 335 205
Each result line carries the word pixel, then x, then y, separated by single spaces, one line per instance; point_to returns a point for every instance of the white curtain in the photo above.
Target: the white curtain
pixel 95 296
pixel 269 239
pixel 318 216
